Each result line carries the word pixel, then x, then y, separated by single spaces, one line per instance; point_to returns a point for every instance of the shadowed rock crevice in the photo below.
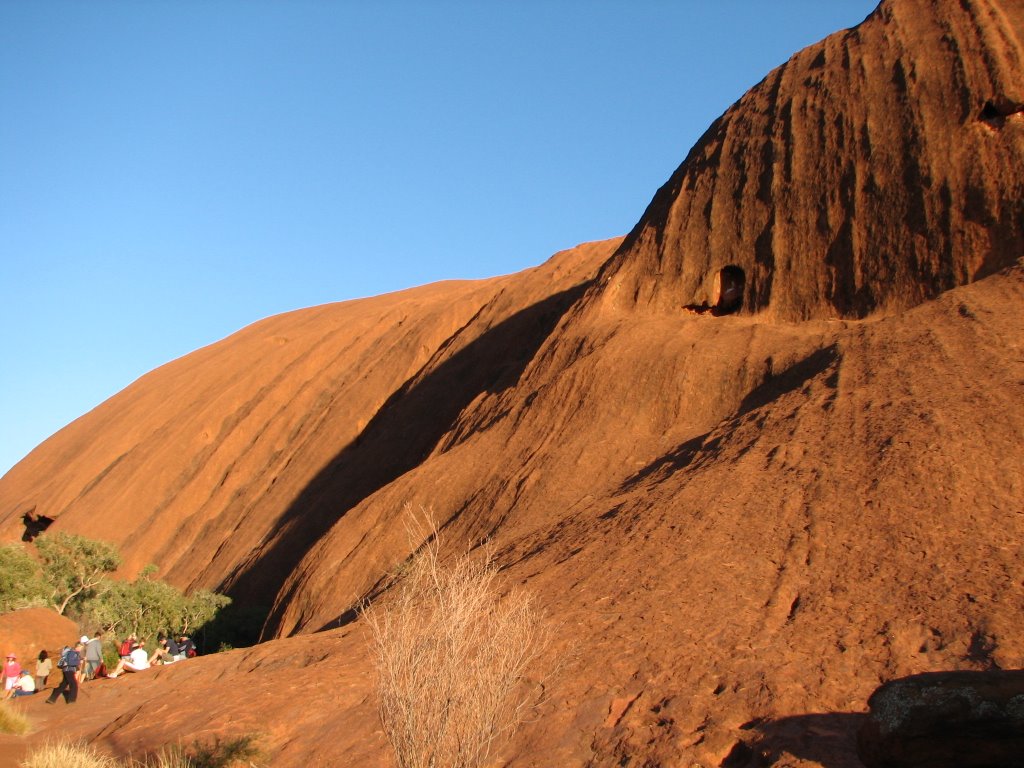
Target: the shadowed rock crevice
pixel 701 449
pixel 405 430
pixel 792 378
pixel 34 525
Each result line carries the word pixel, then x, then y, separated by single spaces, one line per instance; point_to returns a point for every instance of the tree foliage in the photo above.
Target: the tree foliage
pixel 73 573
pixel 75 567
pixel 21 581
pixel 146 607
pixel 200 608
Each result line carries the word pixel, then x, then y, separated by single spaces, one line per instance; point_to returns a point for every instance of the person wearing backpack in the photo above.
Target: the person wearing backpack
pixel 126 648
pixel 70 661
pixel 188 648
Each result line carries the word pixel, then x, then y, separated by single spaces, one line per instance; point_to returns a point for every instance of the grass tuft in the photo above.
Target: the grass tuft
pixel 238 752
pixel 12 721
pixel 68 755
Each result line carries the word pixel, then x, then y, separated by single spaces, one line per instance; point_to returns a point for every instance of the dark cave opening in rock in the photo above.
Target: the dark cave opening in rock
pixel 995 112
pixel 727 292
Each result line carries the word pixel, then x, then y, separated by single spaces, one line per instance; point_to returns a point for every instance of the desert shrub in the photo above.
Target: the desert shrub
pixel 12 721
pixel 200 608
pixel 72 576
pixel 452 655
pixel 21 581
pixel 225 753
pixel 68 755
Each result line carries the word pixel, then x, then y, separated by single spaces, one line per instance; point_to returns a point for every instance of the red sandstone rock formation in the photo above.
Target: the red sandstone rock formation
pixel 744 523
pixel 868 173
pixel 31 630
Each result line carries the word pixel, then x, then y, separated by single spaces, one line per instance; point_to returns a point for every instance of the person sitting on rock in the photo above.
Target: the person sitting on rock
pixel 161 655
pixel 175 650
pixel 127 646
pixel 137 661
pixel 188 648
pixel 26 685
pixel 167 653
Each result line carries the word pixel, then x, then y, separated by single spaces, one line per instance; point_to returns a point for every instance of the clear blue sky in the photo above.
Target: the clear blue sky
pixel 173 171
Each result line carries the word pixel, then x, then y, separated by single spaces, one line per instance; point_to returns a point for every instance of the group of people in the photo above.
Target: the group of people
pixel 84 661
pixel 135 658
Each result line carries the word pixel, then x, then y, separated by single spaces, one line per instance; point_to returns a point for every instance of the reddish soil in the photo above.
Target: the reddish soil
pixel 741 524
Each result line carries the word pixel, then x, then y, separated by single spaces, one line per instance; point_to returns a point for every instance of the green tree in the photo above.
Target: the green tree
pixel 75 567
pixel 21 582
pixel 144 607
pixel 200 608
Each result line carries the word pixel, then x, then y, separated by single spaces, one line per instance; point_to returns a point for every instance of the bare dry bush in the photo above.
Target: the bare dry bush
pixel 452 655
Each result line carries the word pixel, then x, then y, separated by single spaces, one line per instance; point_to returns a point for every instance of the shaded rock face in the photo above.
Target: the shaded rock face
pixel 740 525
pixel 946 720
pixel 870 172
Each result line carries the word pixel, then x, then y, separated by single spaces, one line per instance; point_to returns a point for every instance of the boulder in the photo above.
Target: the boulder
pixel 954 719
pixel 27 632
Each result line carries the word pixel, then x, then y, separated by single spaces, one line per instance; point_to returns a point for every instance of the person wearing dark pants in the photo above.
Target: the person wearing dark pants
pixel 68 664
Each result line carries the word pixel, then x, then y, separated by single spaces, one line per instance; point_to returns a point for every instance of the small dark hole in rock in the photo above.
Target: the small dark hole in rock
pixel 727 293
pixel 996 111
pixel 989 112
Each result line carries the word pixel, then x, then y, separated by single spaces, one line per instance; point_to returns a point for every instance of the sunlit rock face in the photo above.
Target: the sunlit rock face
pixel 871 171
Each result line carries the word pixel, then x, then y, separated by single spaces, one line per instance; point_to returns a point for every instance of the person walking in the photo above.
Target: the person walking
pixel 70 661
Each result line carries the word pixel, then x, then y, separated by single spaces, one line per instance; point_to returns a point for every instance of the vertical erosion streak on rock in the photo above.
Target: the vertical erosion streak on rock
pixel 877 184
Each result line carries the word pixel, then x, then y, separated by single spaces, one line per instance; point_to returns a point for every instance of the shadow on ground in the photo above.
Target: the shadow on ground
pixel 828 738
